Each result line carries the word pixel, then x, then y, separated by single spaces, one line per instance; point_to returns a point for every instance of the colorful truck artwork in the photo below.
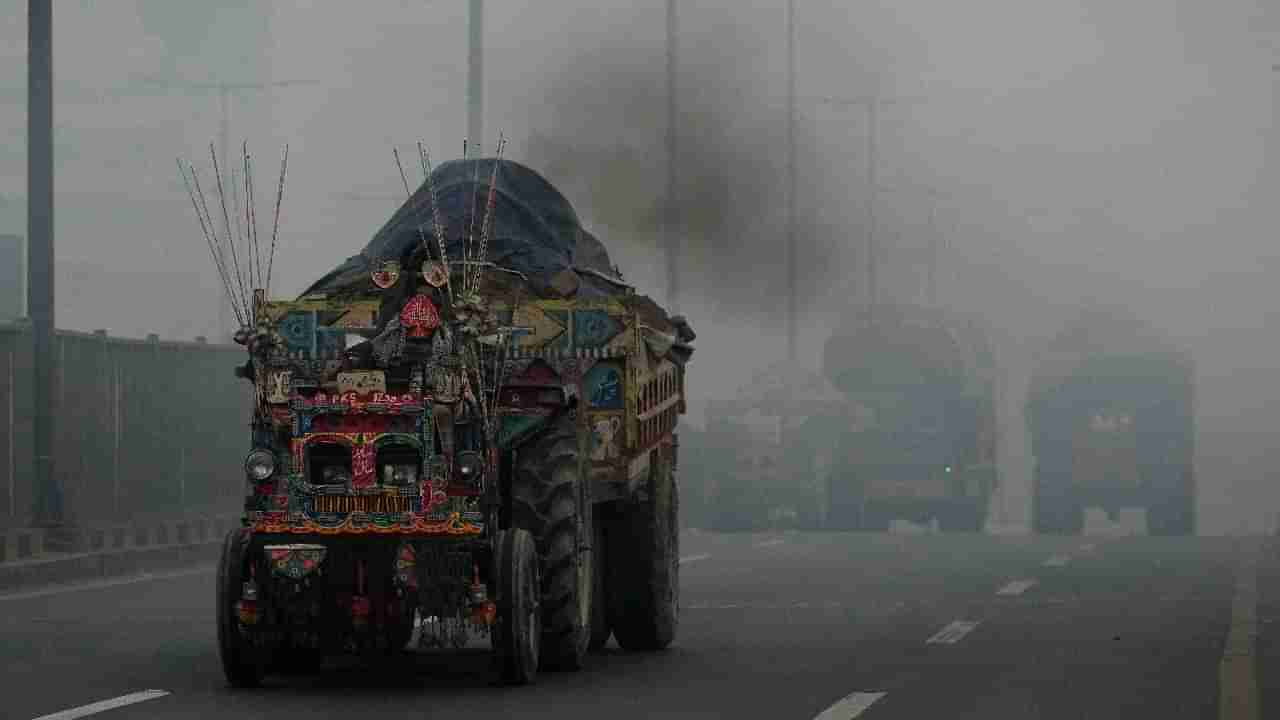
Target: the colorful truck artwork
pixel 472 428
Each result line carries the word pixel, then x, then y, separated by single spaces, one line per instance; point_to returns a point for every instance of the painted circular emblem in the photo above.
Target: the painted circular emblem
pixel 433 272
pixel 387 274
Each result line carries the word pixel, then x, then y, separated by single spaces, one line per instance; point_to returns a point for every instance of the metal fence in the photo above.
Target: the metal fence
pixel 143 427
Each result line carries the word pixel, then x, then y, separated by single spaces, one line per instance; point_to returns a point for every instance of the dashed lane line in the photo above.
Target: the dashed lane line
pixel 771 543
pixel 1237 672
pixel 694 558
pixel 1057 561
pixel 953 633
pixel 1016 587
pixel 850 706
pixel 105 705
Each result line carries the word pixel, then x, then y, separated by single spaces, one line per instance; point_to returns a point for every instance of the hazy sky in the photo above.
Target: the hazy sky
pixel 1080 149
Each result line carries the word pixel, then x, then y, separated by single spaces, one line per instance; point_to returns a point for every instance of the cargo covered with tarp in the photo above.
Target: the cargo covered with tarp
pixel 538 246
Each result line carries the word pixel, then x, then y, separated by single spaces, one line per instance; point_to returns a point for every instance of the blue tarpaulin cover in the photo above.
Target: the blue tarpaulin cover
pixel 534 231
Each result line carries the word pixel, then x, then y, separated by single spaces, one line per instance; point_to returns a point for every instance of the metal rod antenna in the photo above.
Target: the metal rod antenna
pixel 251 192
pixel 437 219
pixel 226 218
pixel 218 243
pixel 240 240
pixel 220 254
pixel 213 232
pixel 275 226
pixel 490 207
pixel 403 178
pixel 468 249
pixel 205 232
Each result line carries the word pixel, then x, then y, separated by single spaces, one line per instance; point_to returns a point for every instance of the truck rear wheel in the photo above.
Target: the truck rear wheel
pixel 518 637
pixel 242 663
pixel 549 499
pixel 644 562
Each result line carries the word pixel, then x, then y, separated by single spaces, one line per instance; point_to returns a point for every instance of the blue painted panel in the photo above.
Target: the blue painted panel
pixel 594 328
pixel 603 387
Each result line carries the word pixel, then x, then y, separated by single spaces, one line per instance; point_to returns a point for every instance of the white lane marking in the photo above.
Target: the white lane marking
pixel 102 584
pixel 952 633
pixel 1016 587
pixel 105 705
pixel 770 543
pixel 850 706
pixel 1237 671
pixel 1057 561
pixel 1088 547
pixel 694 558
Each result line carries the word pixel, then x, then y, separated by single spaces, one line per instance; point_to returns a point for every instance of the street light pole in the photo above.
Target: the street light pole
pixel 873 104
pixel 792 280
pixel 40 280
pixel 669 223
pixel 475 79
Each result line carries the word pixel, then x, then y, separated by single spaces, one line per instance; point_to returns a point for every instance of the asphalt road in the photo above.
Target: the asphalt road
pixel 772 626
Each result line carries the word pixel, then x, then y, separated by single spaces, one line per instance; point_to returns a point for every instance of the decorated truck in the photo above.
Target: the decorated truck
pixel 463 434
pixel 1111 416
pixel 773 443
pixel 921 444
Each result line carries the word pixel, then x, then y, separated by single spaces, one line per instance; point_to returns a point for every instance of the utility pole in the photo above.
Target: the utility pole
pixel 669 223
pixel 792 280
pixel 475 79
pixel 933 253
pixel 934 250
pixel 48 505
pixel 873 163
pixel 873 104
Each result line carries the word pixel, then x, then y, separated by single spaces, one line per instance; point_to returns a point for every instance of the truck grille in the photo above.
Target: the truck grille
pixel 361 503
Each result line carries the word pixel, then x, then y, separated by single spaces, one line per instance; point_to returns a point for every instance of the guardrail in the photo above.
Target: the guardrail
pixel 143 427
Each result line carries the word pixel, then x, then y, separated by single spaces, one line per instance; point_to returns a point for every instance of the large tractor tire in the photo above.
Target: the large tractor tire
pixel 243 664
pixel 644 562
pixel 551 500
pixel 517 639
pixel 600 629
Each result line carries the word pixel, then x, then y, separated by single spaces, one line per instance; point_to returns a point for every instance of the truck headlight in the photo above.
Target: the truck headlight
pixel 470 467
pixel 260 465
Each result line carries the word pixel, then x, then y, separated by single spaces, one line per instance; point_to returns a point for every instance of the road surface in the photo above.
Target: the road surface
pixel 876 626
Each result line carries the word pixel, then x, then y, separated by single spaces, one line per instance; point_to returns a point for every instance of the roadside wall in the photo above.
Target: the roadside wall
pixel 143 427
